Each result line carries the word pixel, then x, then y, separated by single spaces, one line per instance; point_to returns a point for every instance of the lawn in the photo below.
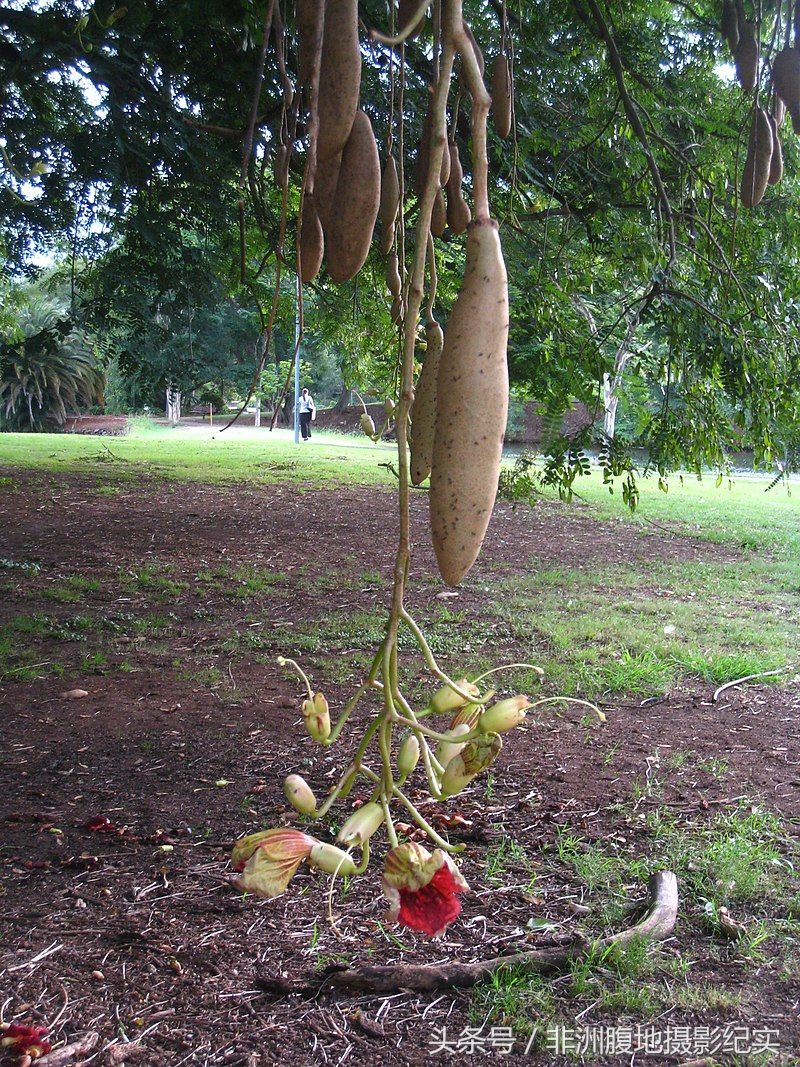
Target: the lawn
pixel 163 573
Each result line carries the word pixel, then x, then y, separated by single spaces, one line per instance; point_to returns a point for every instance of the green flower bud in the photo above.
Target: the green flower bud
pixel 331 859
pixel 469 714
pixel 367 425
pixel 317 717
pixel 505 715
pixel 361 825
pixel 475 756
pixel 299 794
pixel 447 750
pixel 447 699
pixel 388 406
pixel 408 756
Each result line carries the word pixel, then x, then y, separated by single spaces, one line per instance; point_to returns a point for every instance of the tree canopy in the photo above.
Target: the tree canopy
pixel 127 152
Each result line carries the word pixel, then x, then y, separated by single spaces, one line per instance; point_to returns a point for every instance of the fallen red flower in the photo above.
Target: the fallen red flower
pixel 422 889
pixel 25 1040
pixel 100 824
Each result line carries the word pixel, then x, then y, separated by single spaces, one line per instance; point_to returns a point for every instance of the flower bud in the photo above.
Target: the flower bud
pixel 317 717
pixel 299 794
pixel 408 756
pixel 331 859
pixel 447 750
pixel 367 425
pixel 388 406
pixel 361 825
pixel 469 714
pixel 475 756
pixel 447 699
pixel 505 715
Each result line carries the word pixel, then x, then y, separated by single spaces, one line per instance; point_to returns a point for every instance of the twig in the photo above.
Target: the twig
pixel 75 1050
pixel 748 678
pixel 658 924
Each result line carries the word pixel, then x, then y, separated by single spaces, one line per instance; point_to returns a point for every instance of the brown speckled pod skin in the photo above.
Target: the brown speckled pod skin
pixel 423 410
pixel 310 16
pixel 325 179
pixel 471 406
pixel 356 203
pixel 746 56
pixel 501 96
pixel 755 175
pixel 339 77
pixel 776 162
pixel 438 215
pixel 786 82
pixel 312 242
pixel 458 212
pixel 390 203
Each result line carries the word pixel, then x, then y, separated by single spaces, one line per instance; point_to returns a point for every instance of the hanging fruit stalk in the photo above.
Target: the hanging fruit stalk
pixel 269 859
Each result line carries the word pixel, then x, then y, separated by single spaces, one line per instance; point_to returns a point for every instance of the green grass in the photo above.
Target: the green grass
pixel 242 581
pixel 743 859
pixel 205 455
pixel 740 514
pixel 640 628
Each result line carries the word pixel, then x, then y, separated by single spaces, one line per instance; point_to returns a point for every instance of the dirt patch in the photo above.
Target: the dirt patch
pixel 128 926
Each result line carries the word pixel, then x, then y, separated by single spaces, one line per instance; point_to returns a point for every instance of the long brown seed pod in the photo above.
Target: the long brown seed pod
pixel 471 406
pixel 356 203
pixel 745 57
pixel 458 212
pixel 755 175
pixel 423 410
pixel 501 95
pixel 339 77
pixel 786 82
pixel 312 241
pixel 776 161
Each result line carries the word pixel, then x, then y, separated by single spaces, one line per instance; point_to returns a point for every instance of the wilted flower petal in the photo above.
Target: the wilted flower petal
pixel 281 843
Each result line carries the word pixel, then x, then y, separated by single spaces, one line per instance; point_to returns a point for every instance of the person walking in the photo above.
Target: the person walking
pixel 306 412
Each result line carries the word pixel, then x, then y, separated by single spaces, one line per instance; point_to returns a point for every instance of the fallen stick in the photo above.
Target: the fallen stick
pixel 657 925
pixel 75 1050
pixel 748 678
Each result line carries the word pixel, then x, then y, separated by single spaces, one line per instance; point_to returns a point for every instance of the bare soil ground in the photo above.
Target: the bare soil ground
pixel 138 592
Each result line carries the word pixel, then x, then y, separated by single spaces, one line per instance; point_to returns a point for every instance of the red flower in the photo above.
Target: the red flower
pixel 422 889
pixel 25 1040
pixel 100 824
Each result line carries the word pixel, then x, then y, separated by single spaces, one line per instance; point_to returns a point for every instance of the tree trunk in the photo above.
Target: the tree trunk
pixel 345 400
pixel 612 382
pixel 257 418
pixel 173 405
